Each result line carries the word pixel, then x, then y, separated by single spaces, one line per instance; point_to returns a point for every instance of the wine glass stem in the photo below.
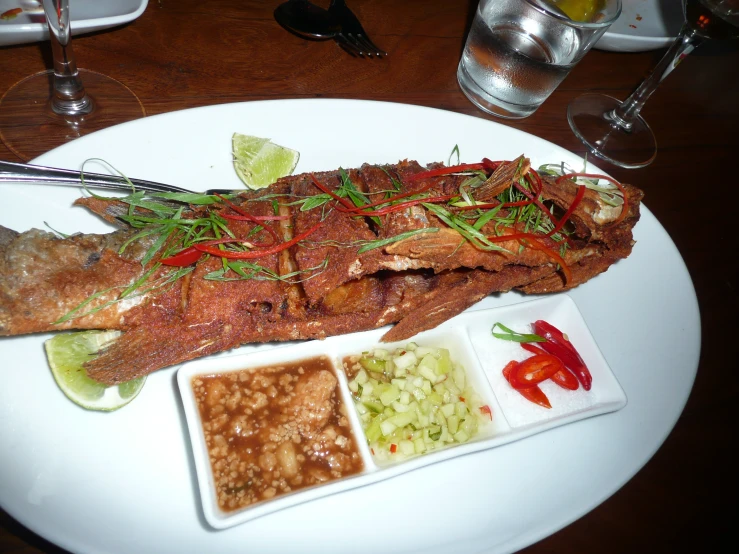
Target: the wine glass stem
pixel 69 97
pixel 625 115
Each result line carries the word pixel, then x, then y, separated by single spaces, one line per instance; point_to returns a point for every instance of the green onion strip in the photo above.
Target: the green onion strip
pixel 511 335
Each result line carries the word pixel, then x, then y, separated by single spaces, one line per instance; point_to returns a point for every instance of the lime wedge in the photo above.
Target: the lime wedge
pixel 67 352
pixel 259 162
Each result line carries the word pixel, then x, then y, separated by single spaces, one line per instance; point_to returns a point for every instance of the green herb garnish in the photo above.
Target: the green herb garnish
pixel 371 245
pixel 511 335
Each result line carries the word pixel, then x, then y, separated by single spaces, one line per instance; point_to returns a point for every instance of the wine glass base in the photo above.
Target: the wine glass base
pixel 29 127
pixel 589 119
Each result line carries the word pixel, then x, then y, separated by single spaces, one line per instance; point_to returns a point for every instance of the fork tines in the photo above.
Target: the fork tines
pixel 357 45
pixel 352 38
pixel 363 42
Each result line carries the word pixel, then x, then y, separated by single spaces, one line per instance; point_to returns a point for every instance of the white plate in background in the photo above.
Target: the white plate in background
pixel 644 25
pixel 87 16
pixel 125 482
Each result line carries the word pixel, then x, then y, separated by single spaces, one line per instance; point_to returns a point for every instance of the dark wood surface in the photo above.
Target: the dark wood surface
pixel 186 53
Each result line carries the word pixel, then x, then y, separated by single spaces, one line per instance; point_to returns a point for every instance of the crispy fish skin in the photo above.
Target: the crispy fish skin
pixel 44 277
pixel 415 283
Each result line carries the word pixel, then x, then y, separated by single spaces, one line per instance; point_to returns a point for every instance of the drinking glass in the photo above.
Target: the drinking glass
pixel 613 130
pixel 519 51
pixel 53 107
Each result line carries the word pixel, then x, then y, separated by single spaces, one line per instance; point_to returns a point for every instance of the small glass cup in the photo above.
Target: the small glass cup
pixel 519 51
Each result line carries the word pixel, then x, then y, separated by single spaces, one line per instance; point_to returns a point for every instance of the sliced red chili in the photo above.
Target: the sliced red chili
pixel 558 345
pixel 393 448
pixel 533 394
pixel 512 236
pixel 187 257
pixel 323 188
pixel 531 347
pixel 490 165
pixel 536 395
pixel 508 368
pixel 439 171
pixel 624 206
pixel 575 202
pixel 534 198
pixel 517 204
pixel 249 217
pixel 564 377
pixel 486 206
pixel 403 205
pixel 539 184
pixel 229 240
pixel 487 411
pixel 256 253
pixel 533 241
pixel 534 370
pixel 395 197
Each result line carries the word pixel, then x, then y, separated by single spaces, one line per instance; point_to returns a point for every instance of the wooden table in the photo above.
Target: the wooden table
pixel 186 53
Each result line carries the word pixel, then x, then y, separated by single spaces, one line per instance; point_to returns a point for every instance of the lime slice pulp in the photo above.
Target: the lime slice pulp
pixel 67 352
pixel 259 162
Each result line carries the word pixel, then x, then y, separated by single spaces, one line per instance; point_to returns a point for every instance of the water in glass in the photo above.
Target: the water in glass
pixel 518 52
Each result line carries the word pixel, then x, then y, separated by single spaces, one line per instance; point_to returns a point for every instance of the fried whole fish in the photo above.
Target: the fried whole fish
pixel 314 255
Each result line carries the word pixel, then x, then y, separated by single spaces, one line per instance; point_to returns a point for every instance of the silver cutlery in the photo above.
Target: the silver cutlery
pixel 11 172
pixel 306 20
pixel 352 35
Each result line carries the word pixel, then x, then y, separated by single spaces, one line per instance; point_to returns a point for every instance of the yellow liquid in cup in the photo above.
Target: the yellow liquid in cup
pixel 579 10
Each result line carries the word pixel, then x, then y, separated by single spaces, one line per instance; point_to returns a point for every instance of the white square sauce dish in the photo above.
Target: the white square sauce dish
pixel 281 426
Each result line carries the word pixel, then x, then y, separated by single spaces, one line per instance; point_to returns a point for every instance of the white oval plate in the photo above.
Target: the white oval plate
pixel 125 481
pixel 643 25
pixel 87 16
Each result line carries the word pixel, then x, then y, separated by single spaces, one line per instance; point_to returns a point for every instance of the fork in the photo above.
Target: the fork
pixel 352 37
pixel 11 172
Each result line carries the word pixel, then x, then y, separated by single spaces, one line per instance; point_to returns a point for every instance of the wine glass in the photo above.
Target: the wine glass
pixel 613 130
pixel 53 107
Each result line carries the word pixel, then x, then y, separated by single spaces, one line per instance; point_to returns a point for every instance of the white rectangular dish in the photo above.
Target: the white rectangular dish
pixel 643 25
pixel 470 341
pixel 87 16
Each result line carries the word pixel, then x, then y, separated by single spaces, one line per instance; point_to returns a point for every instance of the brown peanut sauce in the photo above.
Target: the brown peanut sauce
pixel 275 429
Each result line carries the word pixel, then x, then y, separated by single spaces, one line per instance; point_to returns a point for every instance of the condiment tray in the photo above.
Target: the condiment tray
pixel 471 343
